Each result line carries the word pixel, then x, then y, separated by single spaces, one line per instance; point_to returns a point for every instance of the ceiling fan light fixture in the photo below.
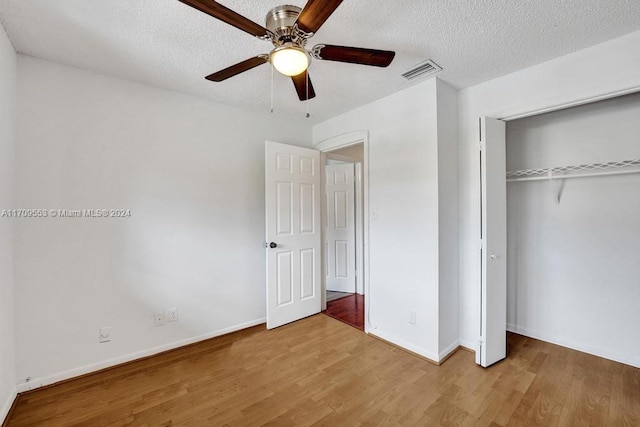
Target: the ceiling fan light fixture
pixel 290 59
pixel 289 28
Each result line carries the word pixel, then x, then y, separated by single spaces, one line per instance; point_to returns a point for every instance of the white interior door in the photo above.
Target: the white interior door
pixel 493 236
pixel 340 232
pixel 292 176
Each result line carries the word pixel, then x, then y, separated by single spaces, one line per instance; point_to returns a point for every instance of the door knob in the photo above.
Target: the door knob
pixel 494 256
pixel 273 245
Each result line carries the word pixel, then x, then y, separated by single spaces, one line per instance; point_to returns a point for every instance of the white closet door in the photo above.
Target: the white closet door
pixel 493 329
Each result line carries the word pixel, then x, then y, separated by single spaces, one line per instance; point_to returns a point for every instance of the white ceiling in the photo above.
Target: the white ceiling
pixel 168 44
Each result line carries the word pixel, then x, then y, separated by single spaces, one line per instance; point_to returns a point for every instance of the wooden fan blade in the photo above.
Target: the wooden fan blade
pixel 240 67
pixel 300 82
pixel 315 13
pixel 227 15
pixel 354 55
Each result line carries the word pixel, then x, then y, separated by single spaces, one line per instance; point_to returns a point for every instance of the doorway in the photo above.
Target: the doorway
pixel 294 213
pixel 343 225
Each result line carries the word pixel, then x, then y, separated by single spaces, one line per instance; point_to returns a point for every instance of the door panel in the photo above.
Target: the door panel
pixel 307 205
pixel 342 270
pixel 307 165
pixel 340 213
pixel 284 278
pixel 307 268
pixel 284 196
pixel 340 228
pixel 493 235
pixel 292 192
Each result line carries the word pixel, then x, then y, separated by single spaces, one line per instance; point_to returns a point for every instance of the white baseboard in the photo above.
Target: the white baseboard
pixel 565 342
pixel 448 350
pixel 6 406
pixel 469 345
pixel 51 379
pixel 412 348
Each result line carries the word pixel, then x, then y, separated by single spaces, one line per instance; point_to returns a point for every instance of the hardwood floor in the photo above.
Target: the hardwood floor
pixel 349 310
pixel 321 372
pixel 334 295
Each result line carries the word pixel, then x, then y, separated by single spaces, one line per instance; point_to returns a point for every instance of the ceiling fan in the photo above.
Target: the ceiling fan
pixel 289 28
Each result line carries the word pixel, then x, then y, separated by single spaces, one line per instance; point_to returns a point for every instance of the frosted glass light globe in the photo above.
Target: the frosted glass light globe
pixel 290 60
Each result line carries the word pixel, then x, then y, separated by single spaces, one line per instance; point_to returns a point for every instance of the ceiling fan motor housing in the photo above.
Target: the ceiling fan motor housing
pixel 281 23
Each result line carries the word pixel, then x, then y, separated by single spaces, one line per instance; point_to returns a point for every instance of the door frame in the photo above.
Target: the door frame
pixel 335 143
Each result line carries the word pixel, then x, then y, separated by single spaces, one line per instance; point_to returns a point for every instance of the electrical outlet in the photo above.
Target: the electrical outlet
pixel 172 314
pixel 104 334
pixel 158 319
pixel 412 317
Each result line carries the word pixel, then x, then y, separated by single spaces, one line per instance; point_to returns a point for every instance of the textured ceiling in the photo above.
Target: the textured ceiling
pixel 168 44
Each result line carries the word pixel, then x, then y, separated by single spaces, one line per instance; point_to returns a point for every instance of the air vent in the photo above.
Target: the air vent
pixel 423 69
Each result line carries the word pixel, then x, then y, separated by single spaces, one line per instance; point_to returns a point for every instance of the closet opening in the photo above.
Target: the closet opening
pixel 573 221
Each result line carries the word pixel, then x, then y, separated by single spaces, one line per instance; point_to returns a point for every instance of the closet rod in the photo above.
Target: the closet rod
pixel 551 176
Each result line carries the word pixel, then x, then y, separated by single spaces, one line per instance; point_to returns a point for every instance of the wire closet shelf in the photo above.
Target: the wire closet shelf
pixel 623 167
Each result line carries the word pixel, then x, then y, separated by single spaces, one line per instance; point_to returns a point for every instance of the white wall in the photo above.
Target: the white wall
pixel 7 143
pixel 355 151
pixel 573 267
pixel 570 79
pixel 192 174
pixel 448 217
pixel 403 192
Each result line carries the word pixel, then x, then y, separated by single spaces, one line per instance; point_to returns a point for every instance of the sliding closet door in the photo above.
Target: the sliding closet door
pixel 493 237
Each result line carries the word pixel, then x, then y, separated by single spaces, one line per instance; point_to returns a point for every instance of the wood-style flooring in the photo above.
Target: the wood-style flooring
pixel 349 310
pixel 318 371
pixel 333 295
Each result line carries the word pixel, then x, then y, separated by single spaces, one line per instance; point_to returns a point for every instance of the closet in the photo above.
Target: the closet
pixel 573 228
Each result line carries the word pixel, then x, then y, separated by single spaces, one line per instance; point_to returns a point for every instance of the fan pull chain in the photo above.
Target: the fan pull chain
pixel 271 89
pixel 306 82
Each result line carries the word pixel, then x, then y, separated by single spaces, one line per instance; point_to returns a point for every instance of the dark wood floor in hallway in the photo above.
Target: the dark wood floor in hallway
pixel 349 310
